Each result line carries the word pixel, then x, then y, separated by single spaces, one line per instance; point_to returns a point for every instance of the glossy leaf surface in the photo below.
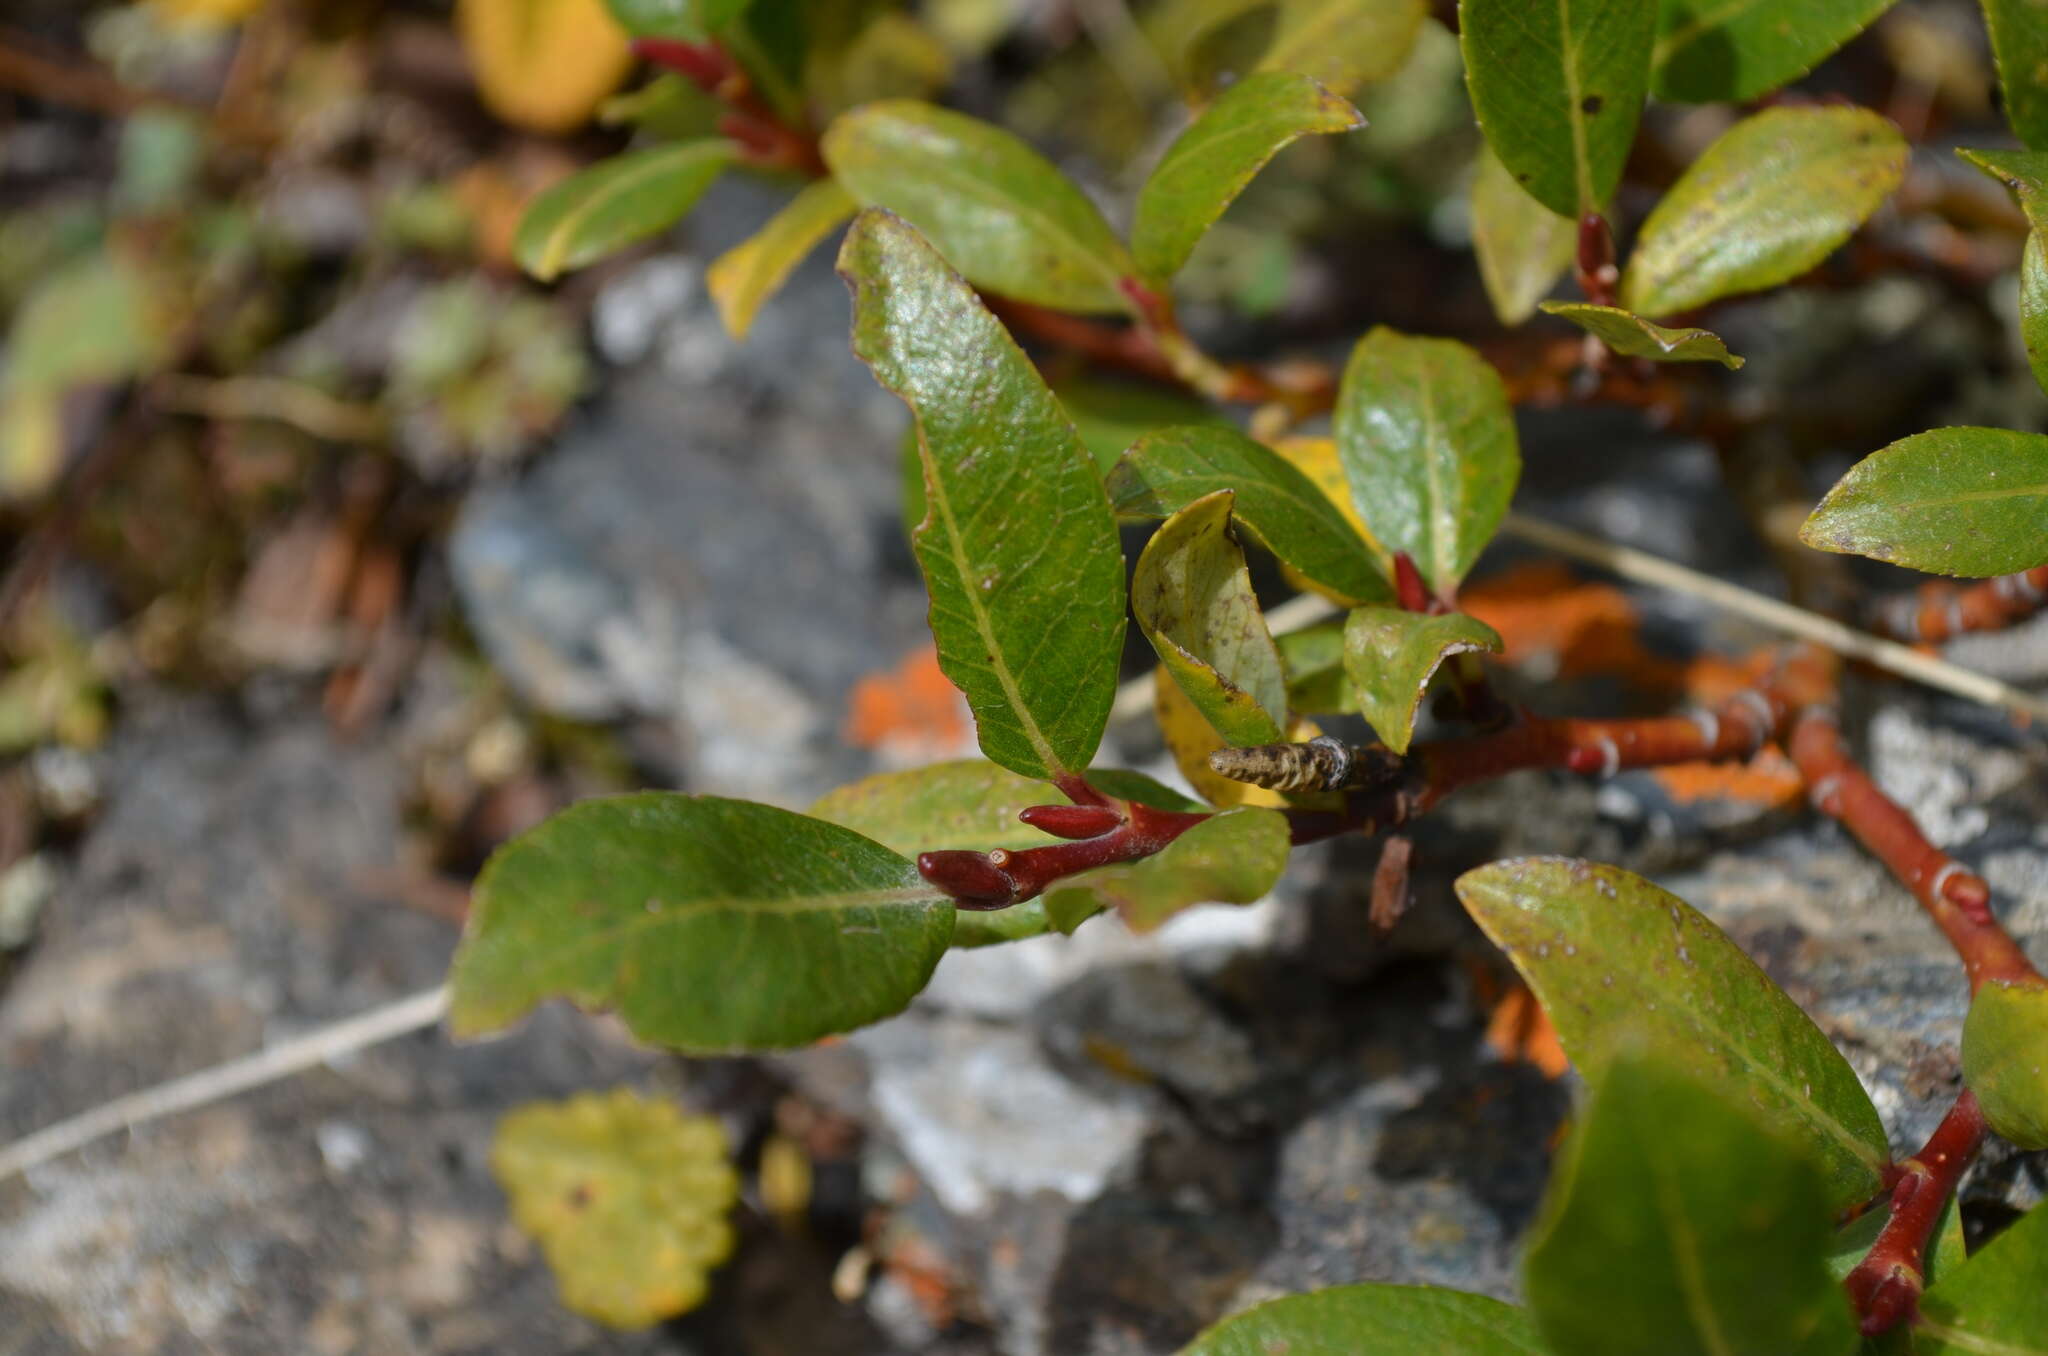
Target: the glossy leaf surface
pixel 1231 858
pixel 2005 1060
pixel 1630 334
pixel 1000 212
pixel 1617 961
pixel 617 203
pixel 711 926
pixel 1428 443
pixel 1523 246
pixel 1193 598
pixel 1994 1304
pixel 1558 86
pixel 627 1196
pixel 1018 546
pixel 1714 50
pixel 752 271
pixel 1677 1224
pixel 1390 656
pixel 1210 163
pixel 1772 197
pixel 1965 501
pixel 1375 1320
pixel 2019 43
pixel 1276 505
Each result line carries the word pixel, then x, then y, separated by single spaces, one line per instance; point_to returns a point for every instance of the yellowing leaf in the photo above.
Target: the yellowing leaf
pixel 627 1197
pixel 208 11
pixel 543 64
pixel 1191 739
pixel 1629 334
pixel 752 271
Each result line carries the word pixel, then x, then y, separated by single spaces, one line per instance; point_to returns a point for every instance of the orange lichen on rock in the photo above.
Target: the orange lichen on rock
pixel 1520 1032
pixel 912 711
pixel 1548 616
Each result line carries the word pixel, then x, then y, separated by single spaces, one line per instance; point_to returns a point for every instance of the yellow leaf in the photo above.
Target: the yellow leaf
pixel 753 270
pixel 207 11
pixel 543 64
pixel 627 1196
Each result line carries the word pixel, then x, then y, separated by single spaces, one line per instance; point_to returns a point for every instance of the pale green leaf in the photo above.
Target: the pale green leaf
pixel 1000 212
pixel 1631 335
pixel 1558 86
pixel 2019 43
pixel 1230 858
pixel 1994 1304
pixel 2005 1059
pixel 711 926
pixel 1772 197
pixel 627 1196
pixel 754 270
pixel 1390 656
pixel 1676 1223
pixel 1375 1320
pixel 1277 505
pixel 1018 546
pixel 1344 43
pixel 1193 598
pixel 1428 442
pixel 2034 306
pixel 1210 163
pixel 1734 50
pixel 1964 501
pixel 616 203
pixel 1522 245
pixel 1314 660
pixel 1618 962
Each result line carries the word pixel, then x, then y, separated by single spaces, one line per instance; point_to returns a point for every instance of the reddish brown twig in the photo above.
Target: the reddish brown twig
pixel 1956 898
pixel 1124 832
pixel 1885 1286
pixel 1941 610
pixel 767 140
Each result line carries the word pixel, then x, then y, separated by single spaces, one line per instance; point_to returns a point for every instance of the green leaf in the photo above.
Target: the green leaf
pixel 2034 305
pixel 1391 655
pixel 754 270
pixel 1616 960
pixel 2019 43
pixel 1314 660
pixel 2023 172
pixel 712 926
pixel 1018 546
pixel 1677 1224
pixel 1230 858
pixel 627 1196
pixel 97 320
pixel 1854 1240
pixel 1428 442
pixel 1522 245
pixel 617 203
pixel 1967 501
pixel 1375 1320
pixel 1278 506
pixel 1193 599
pixel 1635 337
pixel 1211 162
pixel 964 804
pixel 1772 197
pixel 2005 1059
pixel 1558 86
pixel 663 18
pixel 1710 51
pixel 1126 784
pixel 1994 1304
pixel 998 210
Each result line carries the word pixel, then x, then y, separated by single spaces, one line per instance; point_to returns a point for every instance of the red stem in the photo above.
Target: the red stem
pixel 1939 611
pixel 1958 900
pixel 1885 1286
